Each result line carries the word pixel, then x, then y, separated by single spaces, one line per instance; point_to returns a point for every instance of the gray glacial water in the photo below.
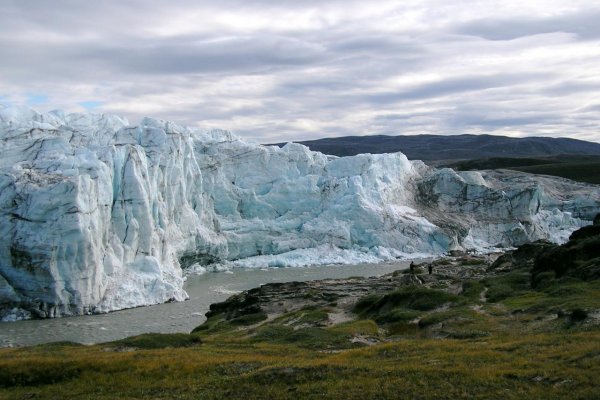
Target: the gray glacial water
pixel 173 317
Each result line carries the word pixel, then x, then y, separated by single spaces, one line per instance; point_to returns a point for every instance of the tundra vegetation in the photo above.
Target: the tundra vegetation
pixel 523 325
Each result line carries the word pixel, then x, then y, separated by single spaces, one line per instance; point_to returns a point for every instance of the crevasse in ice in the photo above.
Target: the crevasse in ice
pixel 97 214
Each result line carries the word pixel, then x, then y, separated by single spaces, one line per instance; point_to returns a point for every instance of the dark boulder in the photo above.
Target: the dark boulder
pixel 585 232
pixel 578 258
pixel 522 258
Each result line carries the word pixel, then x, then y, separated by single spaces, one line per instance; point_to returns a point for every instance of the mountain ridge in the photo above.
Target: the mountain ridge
pixel 429 147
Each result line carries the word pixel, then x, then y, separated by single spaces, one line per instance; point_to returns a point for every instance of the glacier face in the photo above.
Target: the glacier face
pixel 98 215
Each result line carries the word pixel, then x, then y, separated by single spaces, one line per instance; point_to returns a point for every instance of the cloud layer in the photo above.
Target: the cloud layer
pixel 287 70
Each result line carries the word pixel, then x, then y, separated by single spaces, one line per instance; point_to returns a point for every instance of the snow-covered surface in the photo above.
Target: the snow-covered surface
pixel 97 214
pixel 321 255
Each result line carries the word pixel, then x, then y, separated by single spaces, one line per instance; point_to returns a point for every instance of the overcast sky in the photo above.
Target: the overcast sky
pixel 290 70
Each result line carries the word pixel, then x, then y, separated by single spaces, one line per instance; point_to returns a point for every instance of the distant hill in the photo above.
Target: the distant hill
pixel 568 158
pixel 583 168
pixel 458 147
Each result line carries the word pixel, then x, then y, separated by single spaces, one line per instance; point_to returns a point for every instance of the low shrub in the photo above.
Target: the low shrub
pixel 40 373
pixel 472 289
pixel 309 337
pixel 158 341
pixel 365 303
pixel 416 298
pixel 249 319
pixel 398 315
pixel 500 292
pixel 506 285
pixel 473 334
pixel 365 327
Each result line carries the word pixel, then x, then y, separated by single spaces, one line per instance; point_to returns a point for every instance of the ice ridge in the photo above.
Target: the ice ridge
pixel 97 214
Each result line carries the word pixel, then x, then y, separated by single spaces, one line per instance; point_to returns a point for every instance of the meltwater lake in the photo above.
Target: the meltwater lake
pixel 184 316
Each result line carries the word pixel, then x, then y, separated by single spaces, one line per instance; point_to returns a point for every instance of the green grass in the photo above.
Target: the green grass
pixel 306 315
pixel 366 303
pixel 412 297
pixel 561 296
pixel 460 315
pixel 306 337
pixel 249 319
pixel 528 342
pixel 363 327
pixel 506 285
pixel 499 162
pixel 537 366
pixel 398 315
pixel 471 290
pixel 157 341
pixel 579 168
pixel 583 172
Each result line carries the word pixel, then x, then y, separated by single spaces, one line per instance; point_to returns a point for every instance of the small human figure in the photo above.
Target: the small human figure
pixel 430 268
pixel 412 267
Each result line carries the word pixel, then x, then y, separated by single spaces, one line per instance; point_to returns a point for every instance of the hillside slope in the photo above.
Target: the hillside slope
pixel 582 168
pixel 456 147
pixel 475 328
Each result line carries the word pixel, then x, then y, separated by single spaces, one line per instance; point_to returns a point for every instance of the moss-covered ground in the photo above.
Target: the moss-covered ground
pixel 532 366
pixel 499 337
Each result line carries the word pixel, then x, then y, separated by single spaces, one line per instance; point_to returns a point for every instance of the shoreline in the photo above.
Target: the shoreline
pixel 525 325
pixel 204 290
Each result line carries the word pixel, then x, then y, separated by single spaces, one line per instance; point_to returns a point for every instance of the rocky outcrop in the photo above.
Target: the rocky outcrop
pixel 548 262
pixel 579 257
pixel 299 306
pixel 97 214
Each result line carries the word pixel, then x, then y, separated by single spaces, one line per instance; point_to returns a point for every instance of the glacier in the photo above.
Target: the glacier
pixel 97 214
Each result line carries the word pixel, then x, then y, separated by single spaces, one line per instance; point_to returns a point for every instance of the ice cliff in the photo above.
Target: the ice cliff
pixel 98 215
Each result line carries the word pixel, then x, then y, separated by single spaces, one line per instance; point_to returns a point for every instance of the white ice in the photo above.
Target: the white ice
pixel 97 214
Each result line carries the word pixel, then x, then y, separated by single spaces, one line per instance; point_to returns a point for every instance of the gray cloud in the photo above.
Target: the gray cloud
pixel 287 70
pixel 570 87
pixel 584 24
pixel 453 86
pixel 174 56
pixel 594 108
pixel 238 55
